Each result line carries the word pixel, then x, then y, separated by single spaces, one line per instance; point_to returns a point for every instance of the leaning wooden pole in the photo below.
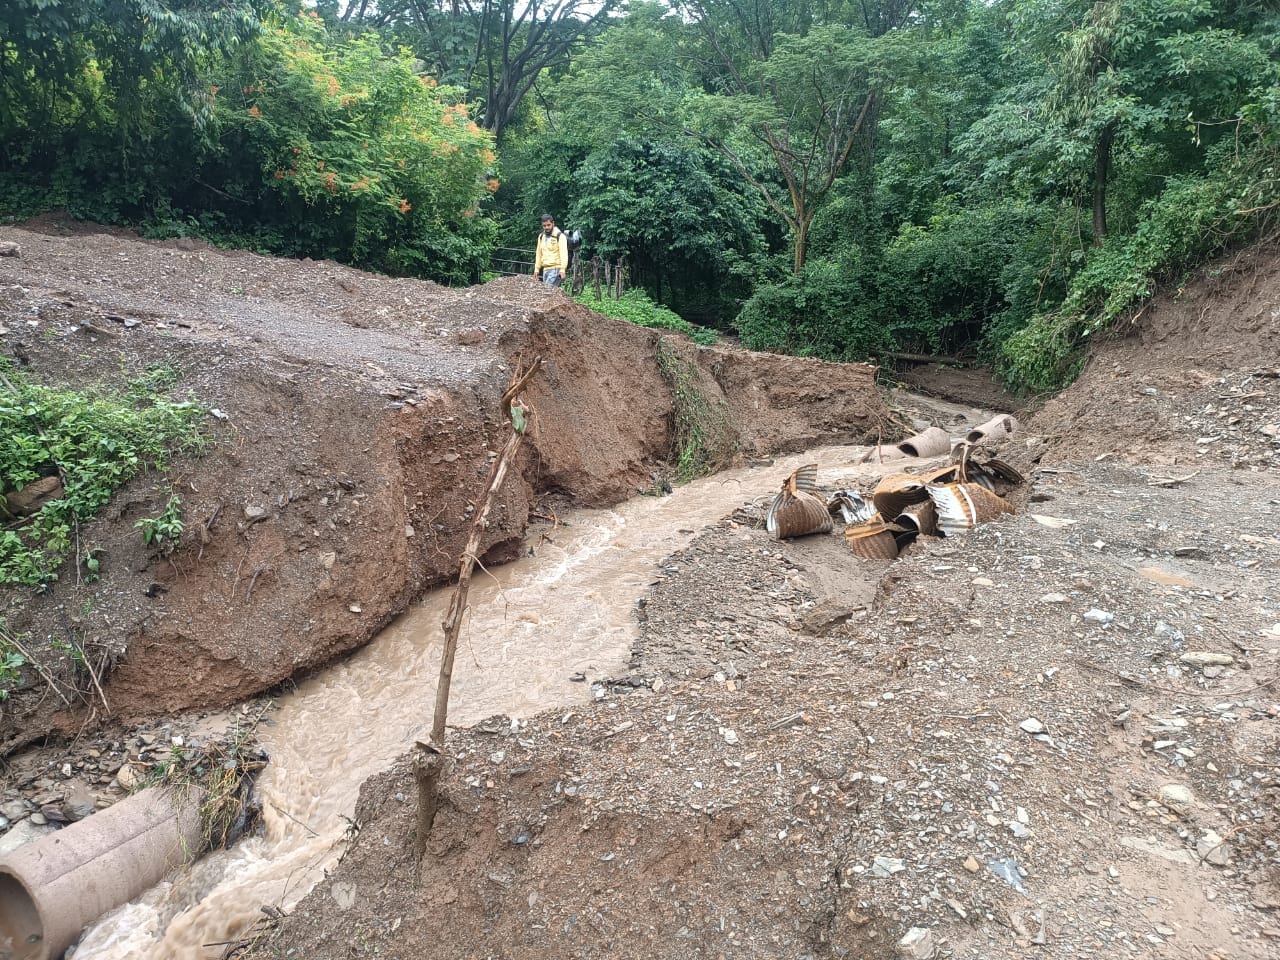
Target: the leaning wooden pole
pixel 429 758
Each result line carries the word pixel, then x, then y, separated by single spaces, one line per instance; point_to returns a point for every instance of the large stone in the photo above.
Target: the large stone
pixel 1176 797
pixel 918 944
pixel 1203 658
pixel 1212 849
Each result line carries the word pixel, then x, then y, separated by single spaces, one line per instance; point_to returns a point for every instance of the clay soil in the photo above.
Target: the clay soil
pixel 1008 740
pixel 354 420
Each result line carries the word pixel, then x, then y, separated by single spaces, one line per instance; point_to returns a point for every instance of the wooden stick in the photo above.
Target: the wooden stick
pixel 48 678
pixel 428 758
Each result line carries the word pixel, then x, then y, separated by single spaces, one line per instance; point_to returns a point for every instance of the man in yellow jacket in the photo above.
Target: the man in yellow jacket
pixel 552 257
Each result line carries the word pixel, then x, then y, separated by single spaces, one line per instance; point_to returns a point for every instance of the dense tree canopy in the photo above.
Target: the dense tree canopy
pixel 845 179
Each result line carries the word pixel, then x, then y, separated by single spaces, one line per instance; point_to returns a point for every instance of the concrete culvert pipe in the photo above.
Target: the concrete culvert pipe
pixel 929 443
pixel 997 428
pixel 53 887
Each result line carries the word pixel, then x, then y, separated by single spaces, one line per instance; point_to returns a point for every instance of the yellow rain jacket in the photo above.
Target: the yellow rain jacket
pixel 553 251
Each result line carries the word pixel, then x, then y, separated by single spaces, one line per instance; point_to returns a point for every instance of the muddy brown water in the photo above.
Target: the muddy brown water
pixel 534 623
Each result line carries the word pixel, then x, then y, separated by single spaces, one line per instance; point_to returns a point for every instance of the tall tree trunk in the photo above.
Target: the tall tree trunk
pixel 1101 173
pixel 803 220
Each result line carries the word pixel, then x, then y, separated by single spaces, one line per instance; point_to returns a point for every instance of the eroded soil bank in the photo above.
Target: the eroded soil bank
pixel 1017 745
pixel 1011 740
pixel 356 418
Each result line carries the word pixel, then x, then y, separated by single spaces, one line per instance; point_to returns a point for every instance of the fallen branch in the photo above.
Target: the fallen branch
pixel 47 677
pixel 428 759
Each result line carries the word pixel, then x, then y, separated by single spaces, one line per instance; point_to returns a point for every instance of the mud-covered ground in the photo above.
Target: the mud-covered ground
pixel 1055 736
pixel 1011 742
pixel 353 422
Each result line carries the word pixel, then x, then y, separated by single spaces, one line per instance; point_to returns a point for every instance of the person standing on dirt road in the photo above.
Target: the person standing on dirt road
pixel 552 257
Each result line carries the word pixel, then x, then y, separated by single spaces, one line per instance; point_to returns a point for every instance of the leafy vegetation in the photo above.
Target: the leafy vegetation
pixel 702 437
pixel 11 662
pixel 992 177
pixel 634 306
pixel 92 441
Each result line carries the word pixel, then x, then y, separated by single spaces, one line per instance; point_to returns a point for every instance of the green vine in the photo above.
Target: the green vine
pixel 703 440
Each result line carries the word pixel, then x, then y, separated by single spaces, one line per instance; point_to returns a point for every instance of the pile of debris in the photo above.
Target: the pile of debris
pixel 941 502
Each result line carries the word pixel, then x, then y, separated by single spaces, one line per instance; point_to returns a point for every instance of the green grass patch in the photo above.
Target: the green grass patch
pixel 636 307
pixel 93 441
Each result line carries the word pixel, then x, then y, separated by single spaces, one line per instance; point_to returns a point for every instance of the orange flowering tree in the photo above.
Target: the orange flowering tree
pixel 356 156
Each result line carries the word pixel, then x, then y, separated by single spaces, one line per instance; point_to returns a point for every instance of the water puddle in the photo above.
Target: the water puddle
pixel 532 625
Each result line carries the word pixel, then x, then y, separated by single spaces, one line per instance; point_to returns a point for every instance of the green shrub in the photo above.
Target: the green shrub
pixel 820 313
pixel 94 440
pixel 636 307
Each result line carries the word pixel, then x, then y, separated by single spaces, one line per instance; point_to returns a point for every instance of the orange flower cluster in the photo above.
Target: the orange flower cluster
pixel 254 111
pixel 492 185
pixel 361 184
pixel 405 206
pixel 331 182
pixel 334 86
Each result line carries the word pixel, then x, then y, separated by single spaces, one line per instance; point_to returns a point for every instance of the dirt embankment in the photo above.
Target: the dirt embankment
pixel 1189 379
pixel 1056 736
pixel 356 419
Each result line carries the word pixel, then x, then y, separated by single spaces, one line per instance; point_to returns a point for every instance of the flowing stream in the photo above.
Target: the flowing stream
pixel 532 625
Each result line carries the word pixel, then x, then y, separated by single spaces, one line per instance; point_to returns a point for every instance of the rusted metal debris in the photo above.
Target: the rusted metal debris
pixel 850 506
pixel 797 511
pixel 898 491
pixel 923 517
pixel 962 506
pixel 940 502
pixel 873 540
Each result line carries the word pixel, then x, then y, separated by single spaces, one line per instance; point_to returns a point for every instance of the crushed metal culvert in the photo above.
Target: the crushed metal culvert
pixel 873 540
pixel 939 502
pixel 797 511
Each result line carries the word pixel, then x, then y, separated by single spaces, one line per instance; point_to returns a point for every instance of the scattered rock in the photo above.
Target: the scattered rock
pixel 918 944
pixel 128 776
pixel 1176 797
pixel 1211 848
pixel 1202 658
pixel 1031 725
pixel 887 866
pixel 1095 615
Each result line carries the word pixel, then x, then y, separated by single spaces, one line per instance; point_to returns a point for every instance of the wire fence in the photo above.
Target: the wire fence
pixel 511 261
pixel 608 279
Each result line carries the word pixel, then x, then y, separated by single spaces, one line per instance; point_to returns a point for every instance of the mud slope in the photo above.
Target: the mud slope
pixel 1053 737
pixel 356 419
pixel 1164 374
